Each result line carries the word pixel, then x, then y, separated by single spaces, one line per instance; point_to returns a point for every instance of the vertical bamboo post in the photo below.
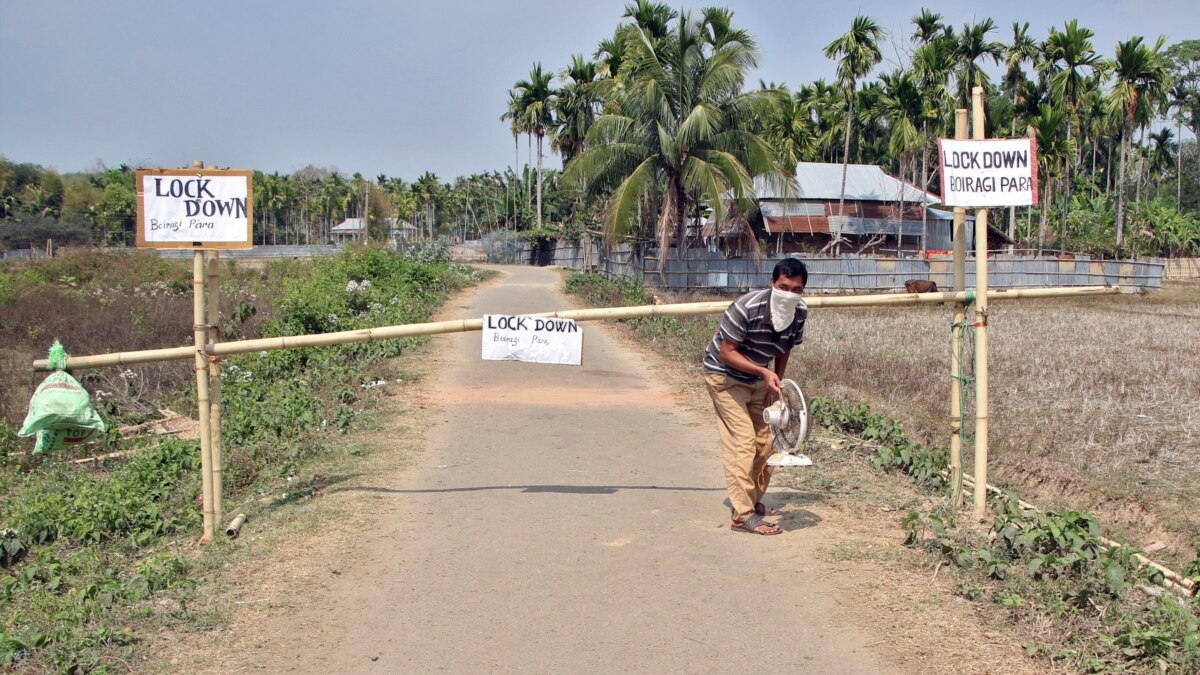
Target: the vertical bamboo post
pixel 199 310
pixel 981 314
pixel 956 335
pixel 214 386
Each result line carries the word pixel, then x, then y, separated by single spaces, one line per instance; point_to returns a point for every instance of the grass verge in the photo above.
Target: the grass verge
pixel 94 558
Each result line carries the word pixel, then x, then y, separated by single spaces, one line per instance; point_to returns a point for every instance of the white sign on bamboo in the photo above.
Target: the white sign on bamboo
pixel 195 208
pixel 992 172
pixel 532 339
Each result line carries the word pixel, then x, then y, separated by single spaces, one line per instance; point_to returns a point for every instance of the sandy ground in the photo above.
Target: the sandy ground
pixel 571 519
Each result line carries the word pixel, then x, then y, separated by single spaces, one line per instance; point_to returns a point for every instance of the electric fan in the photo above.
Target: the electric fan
pixel 788 419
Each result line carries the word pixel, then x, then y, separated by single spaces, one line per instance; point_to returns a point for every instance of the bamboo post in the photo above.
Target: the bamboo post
pixel 199 310
pixel 981 319
pixel 467 325
pixel 956 335
pixel 214 385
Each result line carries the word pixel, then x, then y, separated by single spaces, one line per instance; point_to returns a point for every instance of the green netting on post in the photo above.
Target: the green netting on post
pixel 964 359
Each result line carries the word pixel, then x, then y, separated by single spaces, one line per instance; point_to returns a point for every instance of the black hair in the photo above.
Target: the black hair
pixel 791 268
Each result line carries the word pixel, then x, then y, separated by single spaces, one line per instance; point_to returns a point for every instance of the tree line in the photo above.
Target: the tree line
pixel 99 206
pixel 660 127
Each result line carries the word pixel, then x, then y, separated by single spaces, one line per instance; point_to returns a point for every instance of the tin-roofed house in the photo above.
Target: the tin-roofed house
pixel 882 214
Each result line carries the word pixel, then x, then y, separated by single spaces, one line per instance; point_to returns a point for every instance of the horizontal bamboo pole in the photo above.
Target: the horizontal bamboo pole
pixel 605 313
pixel 122 358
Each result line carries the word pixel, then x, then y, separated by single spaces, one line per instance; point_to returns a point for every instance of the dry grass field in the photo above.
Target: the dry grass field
pixel 1094 403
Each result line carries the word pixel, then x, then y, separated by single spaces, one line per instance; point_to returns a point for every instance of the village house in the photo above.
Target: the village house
pixel 881 215
pixel 355 229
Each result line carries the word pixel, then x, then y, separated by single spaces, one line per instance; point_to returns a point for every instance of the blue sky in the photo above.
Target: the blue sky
pixel 384 87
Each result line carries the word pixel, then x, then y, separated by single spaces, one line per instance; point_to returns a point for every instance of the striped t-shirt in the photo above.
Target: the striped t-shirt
pixel 748 323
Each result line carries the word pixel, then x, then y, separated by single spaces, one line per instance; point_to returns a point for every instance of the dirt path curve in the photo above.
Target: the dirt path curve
pixel 568 519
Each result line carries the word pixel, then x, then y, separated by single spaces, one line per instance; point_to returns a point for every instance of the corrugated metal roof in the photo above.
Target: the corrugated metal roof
pixel 864 182
pixel 349 225
pixel 940 214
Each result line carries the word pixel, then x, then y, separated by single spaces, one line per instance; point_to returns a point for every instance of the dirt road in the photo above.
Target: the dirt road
pixel 568 519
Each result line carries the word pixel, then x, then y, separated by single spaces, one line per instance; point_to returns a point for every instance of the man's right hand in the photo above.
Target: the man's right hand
pixel 772 380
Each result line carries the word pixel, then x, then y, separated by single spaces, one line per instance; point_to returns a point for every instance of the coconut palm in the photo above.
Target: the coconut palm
pixel 1142 80
pixel 680 131
pixel 857 52
pixel 536 102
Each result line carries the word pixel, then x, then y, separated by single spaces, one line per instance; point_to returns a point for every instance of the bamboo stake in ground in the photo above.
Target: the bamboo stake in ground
pixel 981 314
pixel 956 335
pixel 214 386
pixel 199 310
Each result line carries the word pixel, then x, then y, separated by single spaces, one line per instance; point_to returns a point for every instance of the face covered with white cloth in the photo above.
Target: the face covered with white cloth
pixel 783 308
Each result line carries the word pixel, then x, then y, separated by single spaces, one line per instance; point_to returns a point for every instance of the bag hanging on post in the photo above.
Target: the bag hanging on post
pixel 60 412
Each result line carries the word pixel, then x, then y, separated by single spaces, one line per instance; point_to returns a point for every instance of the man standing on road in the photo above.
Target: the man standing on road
pixel 757 327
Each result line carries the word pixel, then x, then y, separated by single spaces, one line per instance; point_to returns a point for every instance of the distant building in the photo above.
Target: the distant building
pixel 400 232
pixel 350 229
pixel 881 213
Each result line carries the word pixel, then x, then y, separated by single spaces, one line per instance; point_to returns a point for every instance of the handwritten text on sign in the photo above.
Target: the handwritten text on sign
pixel 999 172
pixel 195 207
pixel 533 339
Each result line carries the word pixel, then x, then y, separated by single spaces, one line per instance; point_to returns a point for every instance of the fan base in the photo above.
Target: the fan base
pixel 783 459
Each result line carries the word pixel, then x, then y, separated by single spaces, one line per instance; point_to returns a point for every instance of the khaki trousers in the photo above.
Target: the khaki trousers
pixel 745 440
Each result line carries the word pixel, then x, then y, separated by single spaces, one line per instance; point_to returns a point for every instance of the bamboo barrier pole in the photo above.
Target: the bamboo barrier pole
pixel 123 358
pixel 981 319
pixel 1171 578
pixel 467 325
pixel 199 310
pixel 956 335
pixel 214 385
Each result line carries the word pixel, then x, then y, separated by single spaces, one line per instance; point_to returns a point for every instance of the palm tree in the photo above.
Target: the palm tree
pixel 1141 81
pixel 902 107
pixel 512 114
pixel 1069 61
pixel 929 26
pixel 789 127
pixel 575 107
pixel 973 45
pixel 857 52
pixel 679 129
pixel 932 63
pixel 536 103
pixel 1180 93
pixel 826 111
pixel 1023 49
pixel 1054 149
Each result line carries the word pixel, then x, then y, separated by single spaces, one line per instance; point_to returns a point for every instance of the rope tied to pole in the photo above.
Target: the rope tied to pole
pixel 965 359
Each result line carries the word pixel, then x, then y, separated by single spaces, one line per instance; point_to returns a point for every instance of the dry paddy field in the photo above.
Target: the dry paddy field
pixel 1095 402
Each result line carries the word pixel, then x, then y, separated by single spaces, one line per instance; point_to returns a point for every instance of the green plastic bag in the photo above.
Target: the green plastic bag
pixel 60 412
